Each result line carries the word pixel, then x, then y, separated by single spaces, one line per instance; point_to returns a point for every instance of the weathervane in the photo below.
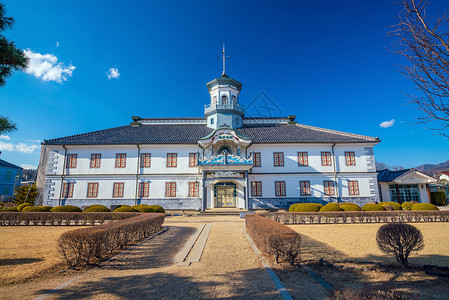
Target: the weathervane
pixel 224 59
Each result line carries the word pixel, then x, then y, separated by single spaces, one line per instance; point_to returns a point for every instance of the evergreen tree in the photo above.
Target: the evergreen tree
pixel 6 125
pixel 21 192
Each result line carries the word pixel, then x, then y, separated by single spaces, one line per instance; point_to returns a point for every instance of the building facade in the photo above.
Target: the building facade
pixel 221 160
pixel 10 177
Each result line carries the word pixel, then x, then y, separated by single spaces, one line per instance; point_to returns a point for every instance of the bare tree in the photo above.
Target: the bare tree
pixel 399 239
pixel 424 41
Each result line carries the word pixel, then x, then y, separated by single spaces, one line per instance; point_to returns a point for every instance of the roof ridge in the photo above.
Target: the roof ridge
pixel 339 132
pixel 84 134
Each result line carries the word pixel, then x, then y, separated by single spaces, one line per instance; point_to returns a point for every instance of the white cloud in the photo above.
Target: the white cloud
pixel 4 137
pixel 25 148
pixel 57 44
pixel 28 167
pixel 34 141
pixel 113 73
pixel 20 147
pixel 6 146
pixel 387 124
pixel 47 68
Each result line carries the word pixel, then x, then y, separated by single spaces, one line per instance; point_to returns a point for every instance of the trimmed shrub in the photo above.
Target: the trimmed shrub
pixel 1 204
pixel 407 205
pixel 89 246
pixel 331 207
pixel 371 294
pixel 438 198
pixel 388 207
pixel 66 208
pixel 424 206
pixel 396 206
pixel 125 209
pixel 14 208
pixel 305 207
pixel 399 239
pixel 97 208
pixel 36 208
pixel 273 238
pixel 21 206
pixel 373 207
pixel 350 207
pixel 148 208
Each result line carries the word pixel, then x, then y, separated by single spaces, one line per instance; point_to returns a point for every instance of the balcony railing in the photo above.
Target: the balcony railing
pixel 218 106
pixel 225 159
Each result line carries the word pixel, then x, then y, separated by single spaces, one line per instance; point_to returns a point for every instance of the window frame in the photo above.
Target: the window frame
pixel 326 158
pixel 304 188
pixel 329 187
pixel 144 189
pixel 71 161
pixel 120 188
pixel 67 190
pixel 120 159
pixel 255 154
pixel 194 189
pixel 172 159
pixel 279 155
pixel 353 187
pixel 143 160
pixel 94 158
pixel 350 158
pixel 303 159
pixel 195 160
pixel 92 190
pixel 168 189
pixel 282 187
pixel 256 188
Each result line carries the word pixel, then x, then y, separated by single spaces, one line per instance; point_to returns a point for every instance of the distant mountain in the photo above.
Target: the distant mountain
pixel 432 170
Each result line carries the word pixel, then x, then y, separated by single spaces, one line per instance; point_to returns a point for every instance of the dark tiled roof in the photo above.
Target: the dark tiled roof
pixel 191 133
pixel 8 165
pixel 386 175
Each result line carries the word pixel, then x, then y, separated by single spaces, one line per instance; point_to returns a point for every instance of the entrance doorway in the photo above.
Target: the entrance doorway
pixel 225 194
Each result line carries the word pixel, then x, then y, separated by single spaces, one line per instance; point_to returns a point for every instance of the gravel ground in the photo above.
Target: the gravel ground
pixel 228 268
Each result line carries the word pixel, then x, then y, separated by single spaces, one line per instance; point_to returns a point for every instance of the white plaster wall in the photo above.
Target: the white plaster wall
pixel 385 190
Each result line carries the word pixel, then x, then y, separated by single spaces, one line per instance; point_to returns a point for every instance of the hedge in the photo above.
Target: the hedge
pixel 396 206
pixel 438 198
pixel 36 208
pixel 89 246
pixel 407 205
pixel 20 207
pixel 331 207
pixel 60 218
pixel 358 217
pixel 66 208
pixel 149 208
pixel 305 207
pixel 125 209
pixel 350 207
pixel 273 238
pixel 97 208
pixel 13 209
pixel 372 207
pixel 424 206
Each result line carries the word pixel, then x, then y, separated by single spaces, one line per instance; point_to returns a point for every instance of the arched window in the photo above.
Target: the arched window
pixel 214 100
pixel 224 100
pixel 234 100
pixel 224 150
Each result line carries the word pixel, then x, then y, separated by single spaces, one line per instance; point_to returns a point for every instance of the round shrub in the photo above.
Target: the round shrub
pixel 20 207
pixel 305 207
pixel 158 208
pixel 36 208
pixel 407 205
pixel 97 208
pixel 143 208
pixel 125 209
pixel 396 206
pixel 350 207
pixel 424 206
pixel 331 207
pixel 438 198
pixel 66 208
pixel 373 207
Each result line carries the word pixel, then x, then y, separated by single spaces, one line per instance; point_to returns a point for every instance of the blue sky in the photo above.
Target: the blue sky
pixel 327 62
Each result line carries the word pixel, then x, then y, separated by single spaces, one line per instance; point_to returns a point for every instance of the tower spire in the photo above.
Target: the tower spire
pixel 224 60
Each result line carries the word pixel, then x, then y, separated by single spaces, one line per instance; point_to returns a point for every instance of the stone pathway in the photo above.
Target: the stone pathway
pixel 228 268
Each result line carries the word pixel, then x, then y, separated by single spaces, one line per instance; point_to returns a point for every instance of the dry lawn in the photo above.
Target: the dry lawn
pixel 357 242
pixel 29 251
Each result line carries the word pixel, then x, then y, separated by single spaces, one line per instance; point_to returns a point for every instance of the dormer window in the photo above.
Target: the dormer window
pixel 224 100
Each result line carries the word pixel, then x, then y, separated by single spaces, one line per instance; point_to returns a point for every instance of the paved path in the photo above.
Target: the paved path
pixel 228 268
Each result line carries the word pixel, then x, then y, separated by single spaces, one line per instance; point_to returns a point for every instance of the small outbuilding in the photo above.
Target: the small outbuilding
pixel 10 177
pixel 443 176
pixel 404 185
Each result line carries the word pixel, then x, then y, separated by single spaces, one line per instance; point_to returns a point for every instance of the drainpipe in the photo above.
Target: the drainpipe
pixel 137 174
pixel 62 176
pixel 335 174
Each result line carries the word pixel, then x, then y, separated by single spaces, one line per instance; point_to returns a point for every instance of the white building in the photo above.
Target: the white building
pixel 443 176
pixel 404 185
pixel 221 160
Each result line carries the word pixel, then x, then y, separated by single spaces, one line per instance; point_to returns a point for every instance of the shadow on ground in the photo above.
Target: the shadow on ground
pixel 18 261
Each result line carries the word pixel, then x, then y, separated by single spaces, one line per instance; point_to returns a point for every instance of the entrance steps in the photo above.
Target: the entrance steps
pixel 222 212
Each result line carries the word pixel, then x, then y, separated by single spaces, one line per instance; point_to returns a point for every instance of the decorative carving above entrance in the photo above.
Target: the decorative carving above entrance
pixel 225 174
